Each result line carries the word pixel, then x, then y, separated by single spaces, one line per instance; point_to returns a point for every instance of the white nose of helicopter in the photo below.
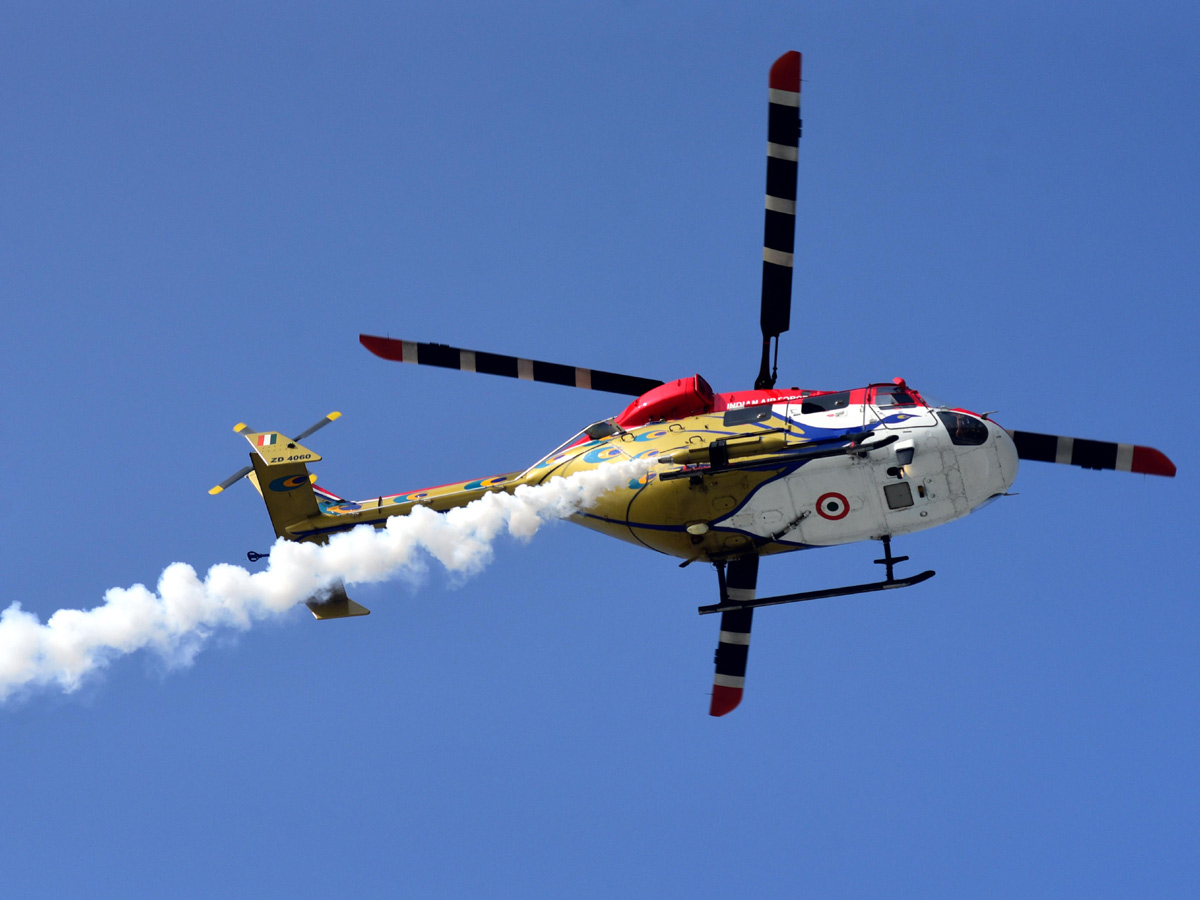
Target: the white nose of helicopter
pixel 1006 457
pixel 987 459
pixel 990 469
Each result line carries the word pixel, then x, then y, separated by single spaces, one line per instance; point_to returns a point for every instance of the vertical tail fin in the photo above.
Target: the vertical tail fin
pixel 279 471
pixel 282 477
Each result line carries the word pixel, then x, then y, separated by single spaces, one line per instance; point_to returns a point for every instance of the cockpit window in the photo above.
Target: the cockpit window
pixel 825 402
pixel 747 414
pixel 894 396
pixel 966 431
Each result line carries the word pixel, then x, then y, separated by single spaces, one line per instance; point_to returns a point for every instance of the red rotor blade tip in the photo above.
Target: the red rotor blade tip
pixel 785 73
pixel 724 700
pixel 1149 461
pixel 388 348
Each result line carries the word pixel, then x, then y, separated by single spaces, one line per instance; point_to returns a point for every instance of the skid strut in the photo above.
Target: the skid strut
pixel 890 583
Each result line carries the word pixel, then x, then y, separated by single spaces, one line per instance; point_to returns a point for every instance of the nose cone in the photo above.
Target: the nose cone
pixel 1006 456
pixel 988 469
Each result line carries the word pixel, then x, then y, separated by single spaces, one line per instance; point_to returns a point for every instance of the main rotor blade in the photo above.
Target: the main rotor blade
pixel 779 231
pixel 1055 448
pixel 733 644
pixel 449 357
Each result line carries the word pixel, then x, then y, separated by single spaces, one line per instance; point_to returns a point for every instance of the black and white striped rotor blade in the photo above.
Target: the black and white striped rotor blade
pixel 1055 448
pixel 733 645
pixel 449 357
pixel 779 231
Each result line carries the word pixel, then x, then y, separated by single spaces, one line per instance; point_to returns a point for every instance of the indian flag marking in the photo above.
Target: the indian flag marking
pixel 265 440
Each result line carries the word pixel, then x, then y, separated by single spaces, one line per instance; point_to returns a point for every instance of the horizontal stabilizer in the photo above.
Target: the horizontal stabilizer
pixel 1055 448
pixel 336 605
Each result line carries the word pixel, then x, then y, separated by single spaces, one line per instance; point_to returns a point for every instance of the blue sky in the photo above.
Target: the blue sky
pixel 202 205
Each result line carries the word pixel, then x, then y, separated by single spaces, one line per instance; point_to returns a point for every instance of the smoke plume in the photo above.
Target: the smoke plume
pixel 175 620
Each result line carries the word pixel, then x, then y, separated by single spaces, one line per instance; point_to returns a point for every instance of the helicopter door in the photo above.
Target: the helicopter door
pixel 894 406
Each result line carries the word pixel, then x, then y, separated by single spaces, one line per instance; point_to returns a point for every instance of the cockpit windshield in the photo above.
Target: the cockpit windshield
pixel 966 431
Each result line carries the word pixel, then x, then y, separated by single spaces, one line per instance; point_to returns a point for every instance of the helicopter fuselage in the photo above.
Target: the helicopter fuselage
pixel 757 472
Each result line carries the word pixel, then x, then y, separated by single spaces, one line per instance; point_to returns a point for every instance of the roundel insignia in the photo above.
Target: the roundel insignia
pixel 832 506
pixel 290 483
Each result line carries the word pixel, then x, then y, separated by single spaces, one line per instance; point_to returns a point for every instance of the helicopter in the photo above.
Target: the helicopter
pixel 730 477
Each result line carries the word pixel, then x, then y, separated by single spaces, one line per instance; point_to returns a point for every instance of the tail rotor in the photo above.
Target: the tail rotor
pixel 241 427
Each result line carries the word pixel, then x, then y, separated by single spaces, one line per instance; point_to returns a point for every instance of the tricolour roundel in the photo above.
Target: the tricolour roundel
pixel 832 506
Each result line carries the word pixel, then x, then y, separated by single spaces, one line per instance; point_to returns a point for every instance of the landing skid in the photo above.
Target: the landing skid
pixel 886 585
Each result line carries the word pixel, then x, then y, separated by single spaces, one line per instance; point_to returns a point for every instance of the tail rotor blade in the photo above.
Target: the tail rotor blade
pixel 242 427
pixel 332 417
pixel 232 479
pixel 448 357
pixel 779 232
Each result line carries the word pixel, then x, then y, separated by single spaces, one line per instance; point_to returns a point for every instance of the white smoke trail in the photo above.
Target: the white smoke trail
pixel 185 610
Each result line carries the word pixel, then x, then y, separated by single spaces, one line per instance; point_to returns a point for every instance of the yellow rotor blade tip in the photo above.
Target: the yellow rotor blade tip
pixel 333 416
pixel 216 490
pixel 240 427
